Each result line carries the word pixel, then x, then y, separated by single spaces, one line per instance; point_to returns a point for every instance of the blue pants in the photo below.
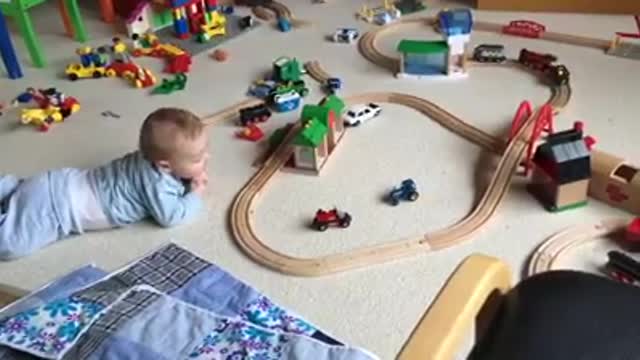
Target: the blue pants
pixel 30 215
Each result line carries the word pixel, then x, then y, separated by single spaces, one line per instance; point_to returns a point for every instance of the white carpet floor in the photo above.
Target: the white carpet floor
pixel 375 307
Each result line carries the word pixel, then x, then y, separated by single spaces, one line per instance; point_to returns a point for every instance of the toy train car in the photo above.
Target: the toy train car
pixel 489 53
pixel 622 267
pixel 615 182
pixel 557 74
pixel 536 61
pixel 253 114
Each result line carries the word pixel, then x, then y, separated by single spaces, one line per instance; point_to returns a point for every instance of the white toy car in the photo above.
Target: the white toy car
pixel 345 35
pixel 361 113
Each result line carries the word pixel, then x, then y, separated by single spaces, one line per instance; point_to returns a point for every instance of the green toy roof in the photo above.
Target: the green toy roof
pixel 334 103
pixel 315 111
pixel 312 134
pixel 422 47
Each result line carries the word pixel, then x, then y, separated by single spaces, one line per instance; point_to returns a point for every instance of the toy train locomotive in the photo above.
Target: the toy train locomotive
pixel 557 74
pixel 489 53
pixel 253 114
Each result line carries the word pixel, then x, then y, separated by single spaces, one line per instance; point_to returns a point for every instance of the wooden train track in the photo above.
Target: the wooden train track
pixel 315 70
pixel 273 10
pixel 263 13
pixel 545 257
pixel 367 44
pixel 244 204
pixel 241 215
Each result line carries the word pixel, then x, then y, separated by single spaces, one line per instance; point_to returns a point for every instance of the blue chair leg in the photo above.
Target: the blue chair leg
pixel 7 51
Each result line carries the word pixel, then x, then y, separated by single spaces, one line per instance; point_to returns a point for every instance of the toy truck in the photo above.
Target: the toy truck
pixel 406 191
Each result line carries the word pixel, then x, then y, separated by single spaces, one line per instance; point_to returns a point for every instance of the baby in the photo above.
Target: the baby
pixel 163 180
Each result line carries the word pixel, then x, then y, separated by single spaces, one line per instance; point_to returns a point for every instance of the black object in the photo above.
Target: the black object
pixel 245 22
pixel 253 114
pixel 562 315
pixel 620 264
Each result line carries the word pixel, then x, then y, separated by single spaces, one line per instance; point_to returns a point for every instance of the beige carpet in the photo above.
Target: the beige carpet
pixel 377 307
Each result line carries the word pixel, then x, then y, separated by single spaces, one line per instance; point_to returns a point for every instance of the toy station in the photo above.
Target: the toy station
pixel 563 169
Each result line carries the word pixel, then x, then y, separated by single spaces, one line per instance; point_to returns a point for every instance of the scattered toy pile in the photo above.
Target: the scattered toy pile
pixel 53 107
pixel 283 88
pixel 109 61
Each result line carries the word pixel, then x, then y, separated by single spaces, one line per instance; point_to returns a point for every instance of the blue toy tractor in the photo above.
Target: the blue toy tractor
pixel 406 191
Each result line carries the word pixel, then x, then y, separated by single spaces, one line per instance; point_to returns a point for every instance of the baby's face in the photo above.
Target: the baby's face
pixel 193 157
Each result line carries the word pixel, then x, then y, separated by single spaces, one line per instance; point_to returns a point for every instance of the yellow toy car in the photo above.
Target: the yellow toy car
pixel 77 71
pixel 42 118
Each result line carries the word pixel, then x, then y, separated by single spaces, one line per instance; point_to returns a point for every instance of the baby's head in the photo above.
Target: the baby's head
pixel 175 141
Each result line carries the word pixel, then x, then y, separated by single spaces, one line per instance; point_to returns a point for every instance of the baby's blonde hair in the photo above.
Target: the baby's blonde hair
pixel 164 129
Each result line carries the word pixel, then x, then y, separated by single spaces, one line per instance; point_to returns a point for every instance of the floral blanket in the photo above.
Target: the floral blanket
pixel 168 305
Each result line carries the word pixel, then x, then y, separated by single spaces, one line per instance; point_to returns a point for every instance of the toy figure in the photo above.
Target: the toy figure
pixel 119 49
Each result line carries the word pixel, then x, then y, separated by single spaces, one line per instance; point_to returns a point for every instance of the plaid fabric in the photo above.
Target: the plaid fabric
pixel 123 311
pixel 167 270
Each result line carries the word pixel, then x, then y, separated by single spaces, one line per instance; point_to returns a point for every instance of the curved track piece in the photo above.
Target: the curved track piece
pixel 315 70
pixel 263 13
pixel 274 10
pixel 243 206
pixel 546 255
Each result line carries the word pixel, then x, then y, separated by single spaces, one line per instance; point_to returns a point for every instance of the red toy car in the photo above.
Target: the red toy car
pixel 120 68
pixel 331 217
pixel 250 132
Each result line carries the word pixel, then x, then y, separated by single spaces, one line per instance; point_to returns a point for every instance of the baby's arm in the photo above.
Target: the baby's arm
pixel 169 206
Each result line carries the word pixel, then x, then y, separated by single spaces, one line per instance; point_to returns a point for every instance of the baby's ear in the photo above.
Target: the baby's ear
pixel 163 165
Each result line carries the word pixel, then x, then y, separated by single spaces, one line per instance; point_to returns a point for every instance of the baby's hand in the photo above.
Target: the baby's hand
pixel 199 183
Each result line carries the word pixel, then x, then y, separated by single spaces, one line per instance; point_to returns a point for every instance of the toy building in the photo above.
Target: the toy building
pixel 143 16
pixel 422 58
pixel 322 129
pixel 455 26
pixel 562 171
pixel 419 58
pixel 188 17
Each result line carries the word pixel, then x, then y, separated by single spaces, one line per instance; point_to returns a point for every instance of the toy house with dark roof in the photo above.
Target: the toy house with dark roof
pixel 562 171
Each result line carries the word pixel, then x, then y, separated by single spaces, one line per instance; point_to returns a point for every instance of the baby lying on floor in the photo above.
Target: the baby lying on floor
pixel 163 180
